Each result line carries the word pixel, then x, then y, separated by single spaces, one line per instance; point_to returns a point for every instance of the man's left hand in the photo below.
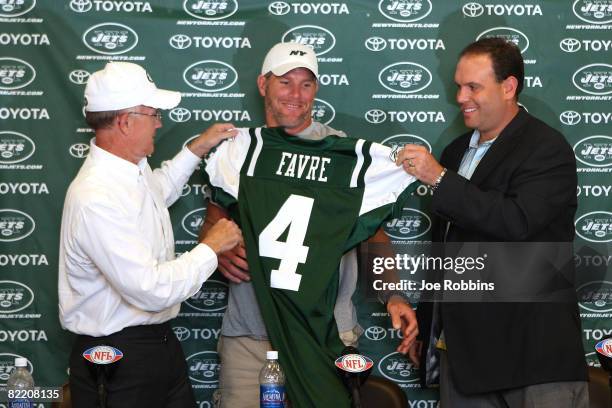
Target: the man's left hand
pixel 404 319
pixel 418 162
pixel 212 137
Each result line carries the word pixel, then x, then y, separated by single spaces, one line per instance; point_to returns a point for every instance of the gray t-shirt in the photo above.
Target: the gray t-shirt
pixel 243 318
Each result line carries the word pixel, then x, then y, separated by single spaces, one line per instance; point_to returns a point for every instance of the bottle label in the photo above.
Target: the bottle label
pixel 271 396
pixel 20 403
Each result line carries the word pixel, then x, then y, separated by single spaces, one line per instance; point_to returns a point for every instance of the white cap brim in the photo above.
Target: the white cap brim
pixel 283 69
pixel 163 99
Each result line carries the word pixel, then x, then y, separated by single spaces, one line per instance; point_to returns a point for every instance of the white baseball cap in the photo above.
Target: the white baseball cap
pixel 122 85
pixel 284 57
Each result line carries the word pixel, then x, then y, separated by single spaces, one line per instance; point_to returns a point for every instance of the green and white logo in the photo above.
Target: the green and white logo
pixel 15 73
pixel 210 9
pixel 210 76
pixel 15 147
pixel 16 8
pixel 110 38
pixel 15 225
pixel 14 296
pixel 405 11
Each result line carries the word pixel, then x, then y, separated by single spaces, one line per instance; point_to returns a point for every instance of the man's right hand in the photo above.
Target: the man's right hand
pixel 223 236
pixel 233 263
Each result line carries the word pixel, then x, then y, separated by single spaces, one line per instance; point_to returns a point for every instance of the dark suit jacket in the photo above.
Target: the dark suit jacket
pixel 524 189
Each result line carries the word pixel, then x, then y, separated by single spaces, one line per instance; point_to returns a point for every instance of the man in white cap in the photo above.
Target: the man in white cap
pixel 119 282
pixel 288 83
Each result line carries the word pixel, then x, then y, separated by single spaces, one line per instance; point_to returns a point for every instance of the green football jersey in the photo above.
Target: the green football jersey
pixel 301 204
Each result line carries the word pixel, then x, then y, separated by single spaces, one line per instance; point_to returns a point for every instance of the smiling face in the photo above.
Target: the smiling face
pixel 486 104
pixel 288 99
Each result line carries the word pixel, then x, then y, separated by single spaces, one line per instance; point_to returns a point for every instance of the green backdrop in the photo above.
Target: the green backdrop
pixel 386 75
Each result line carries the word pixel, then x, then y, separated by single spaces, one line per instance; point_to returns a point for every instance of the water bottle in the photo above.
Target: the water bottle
pixel 20 381
pixel 271 383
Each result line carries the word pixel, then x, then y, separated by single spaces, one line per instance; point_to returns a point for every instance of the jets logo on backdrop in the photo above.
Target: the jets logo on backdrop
pixel 212 297
pixel 210 9
pixel 15 73
pixel 210 76
pixel 396 367
pixel 110 38
pixel 411 224
pixel 318 38
pixel 14 296
pixel 405 11
pixel 405 77
pixel 595 226
pixel 595 296
pixel 15 147
pixel 204 369
pixel 594 151
pixel 511 35
pixel 323 111
pixel 396 142
pixel 193 221
pixel 15 225
pixel 594 79
pixel 593 11
pixel 15 8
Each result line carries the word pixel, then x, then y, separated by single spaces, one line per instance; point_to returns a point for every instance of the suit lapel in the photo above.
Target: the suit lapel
pixel 501 148
pixel 453 155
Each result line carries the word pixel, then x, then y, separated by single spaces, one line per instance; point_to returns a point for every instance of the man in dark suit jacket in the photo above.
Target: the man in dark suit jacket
pixel 512 179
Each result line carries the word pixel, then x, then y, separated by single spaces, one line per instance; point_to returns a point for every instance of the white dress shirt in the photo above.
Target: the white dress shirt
pixel 117 265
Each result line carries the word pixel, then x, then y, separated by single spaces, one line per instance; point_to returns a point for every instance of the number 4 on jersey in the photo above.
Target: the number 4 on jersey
pixel 295 214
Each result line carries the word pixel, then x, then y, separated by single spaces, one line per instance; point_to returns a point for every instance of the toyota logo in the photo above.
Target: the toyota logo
pixel 279 8
pixel 79 150
pixel 570 118
pixel 78 76
pixel 375 116
pixel 81 6
pixel 375 333
pixel 376 43
pixel 180 41
pixel 181 333
pixel 472 10
pixel 180 115
pixel 569 44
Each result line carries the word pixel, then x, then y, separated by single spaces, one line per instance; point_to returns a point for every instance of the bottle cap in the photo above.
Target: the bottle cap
pixel 272 355
pixel 21 362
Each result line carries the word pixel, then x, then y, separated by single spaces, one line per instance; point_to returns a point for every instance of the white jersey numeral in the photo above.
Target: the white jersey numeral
pixel 295 214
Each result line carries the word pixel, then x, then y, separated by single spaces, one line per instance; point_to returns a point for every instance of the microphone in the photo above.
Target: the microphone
pixel 354 369
pixel 102 362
